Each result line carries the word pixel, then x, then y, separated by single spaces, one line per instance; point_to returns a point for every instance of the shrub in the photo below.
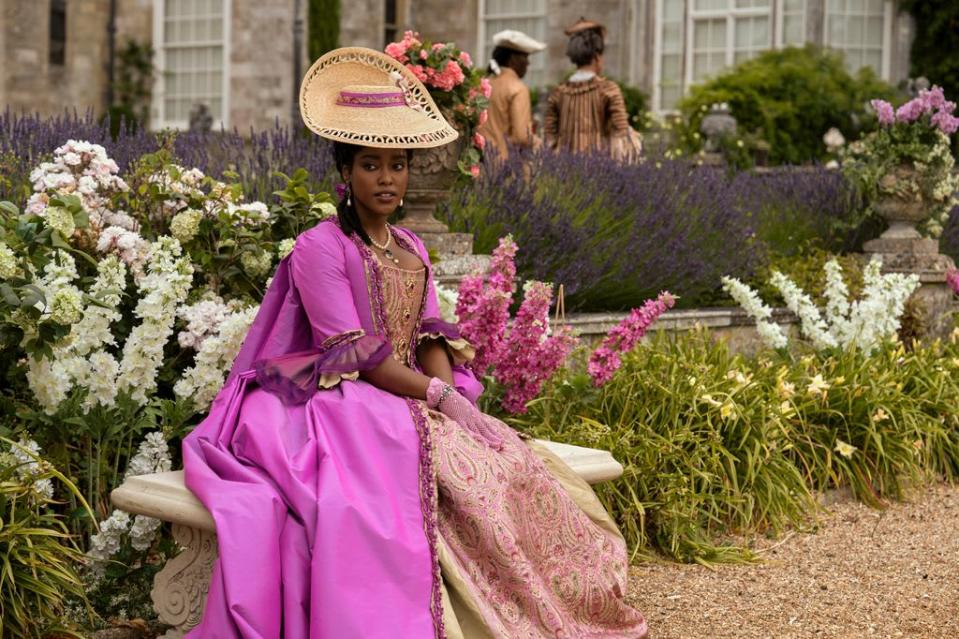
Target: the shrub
pixel 37 555
pixel 615 235
pixel 714 444
pixel 790 98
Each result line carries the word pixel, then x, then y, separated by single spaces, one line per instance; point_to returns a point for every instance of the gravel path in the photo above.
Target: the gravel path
pixel 865 573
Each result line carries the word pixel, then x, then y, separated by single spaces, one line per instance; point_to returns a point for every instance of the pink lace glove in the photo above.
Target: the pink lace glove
pixel 447 400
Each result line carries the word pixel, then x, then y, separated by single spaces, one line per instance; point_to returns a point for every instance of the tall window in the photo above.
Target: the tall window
pixel 669 88
pixel 390 21
pixel 793 23
pixel 58 32
pixel 192 48
pixel 858 29
pixel 726 32
pixel 528 16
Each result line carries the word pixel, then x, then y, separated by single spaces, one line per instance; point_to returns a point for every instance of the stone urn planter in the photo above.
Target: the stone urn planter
pixel 432 175
pixel 902 212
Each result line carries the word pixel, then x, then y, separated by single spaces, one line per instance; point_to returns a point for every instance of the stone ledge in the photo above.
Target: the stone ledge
pixel 596 324
pixel 165 497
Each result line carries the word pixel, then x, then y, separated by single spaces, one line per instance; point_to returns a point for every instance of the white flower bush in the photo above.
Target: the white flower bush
pixel 861 324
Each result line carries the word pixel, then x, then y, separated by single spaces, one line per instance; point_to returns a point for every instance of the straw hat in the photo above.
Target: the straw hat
pixel 517 41
pixel 361 96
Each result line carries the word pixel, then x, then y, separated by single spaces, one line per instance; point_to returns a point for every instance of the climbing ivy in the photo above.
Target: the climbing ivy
pixel 323 27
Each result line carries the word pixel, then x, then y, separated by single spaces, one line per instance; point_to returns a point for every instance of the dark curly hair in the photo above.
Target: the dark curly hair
pixel 584 46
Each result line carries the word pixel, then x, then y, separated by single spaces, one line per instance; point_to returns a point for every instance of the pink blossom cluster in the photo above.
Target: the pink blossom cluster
pixel 952 279
pixel 931 102
pixel 483 306
pixel 530 354
pixel 445 72
pixel 605 360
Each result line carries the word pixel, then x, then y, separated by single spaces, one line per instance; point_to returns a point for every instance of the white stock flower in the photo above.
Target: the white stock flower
pixel 49 382
pixel 771 333
pixel 447 299
pixel 106 543
pixel 165 286
pixel 203 380
pixel 100 380
pixel 93 331
pixel 837 301
pixel 153 456
pixel 811 322
pixel 26 453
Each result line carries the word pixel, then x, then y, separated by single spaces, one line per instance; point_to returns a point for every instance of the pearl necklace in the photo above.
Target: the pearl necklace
pixel 385 247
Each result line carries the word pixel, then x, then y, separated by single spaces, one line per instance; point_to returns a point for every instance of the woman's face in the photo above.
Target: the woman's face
pixel 378 180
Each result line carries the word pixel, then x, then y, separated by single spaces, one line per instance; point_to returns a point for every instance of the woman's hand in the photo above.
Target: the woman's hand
pixel 447 400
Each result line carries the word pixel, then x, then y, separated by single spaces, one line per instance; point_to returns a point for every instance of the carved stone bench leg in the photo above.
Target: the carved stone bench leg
pixel 179 590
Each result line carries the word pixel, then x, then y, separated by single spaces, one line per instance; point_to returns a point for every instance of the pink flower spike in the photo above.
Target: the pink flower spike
pixel 884 111
pixel 910 111
pixel 948 124
pixel 486 87
pixel 952 279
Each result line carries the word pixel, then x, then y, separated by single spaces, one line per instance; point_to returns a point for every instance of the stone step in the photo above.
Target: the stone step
pixel 450 270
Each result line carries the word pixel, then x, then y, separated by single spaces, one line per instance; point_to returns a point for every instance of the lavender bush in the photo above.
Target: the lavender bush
pixel 616 235
pixel 26 140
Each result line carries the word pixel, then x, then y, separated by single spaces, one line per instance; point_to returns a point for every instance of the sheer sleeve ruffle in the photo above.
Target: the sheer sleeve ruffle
pixel 460 350
pixel 296 376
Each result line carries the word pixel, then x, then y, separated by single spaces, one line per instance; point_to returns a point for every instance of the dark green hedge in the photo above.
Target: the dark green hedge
pixel 323 27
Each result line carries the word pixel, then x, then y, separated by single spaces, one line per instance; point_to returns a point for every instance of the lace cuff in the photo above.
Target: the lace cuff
pixel 459 349
pixel 296 376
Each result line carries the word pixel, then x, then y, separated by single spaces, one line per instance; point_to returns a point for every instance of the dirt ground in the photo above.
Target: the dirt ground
pixel 864 573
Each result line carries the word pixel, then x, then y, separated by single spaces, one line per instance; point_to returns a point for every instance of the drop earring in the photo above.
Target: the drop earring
pixel 401 202
pixel 349 195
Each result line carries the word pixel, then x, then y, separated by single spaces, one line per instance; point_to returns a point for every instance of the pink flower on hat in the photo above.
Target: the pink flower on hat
pixel 479 141
pixel 475 170
pixel 397 51
pixel 483 117
pixel 418 71
pixel 466 59
pixel 450 77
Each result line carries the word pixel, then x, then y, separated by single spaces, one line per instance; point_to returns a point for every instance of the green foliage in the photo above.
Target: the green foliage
pixel 937 32
pixel 714 443
pixel 37 554
pixel 132 87
pixel 789 98
pixel 323 27
pixel 636 104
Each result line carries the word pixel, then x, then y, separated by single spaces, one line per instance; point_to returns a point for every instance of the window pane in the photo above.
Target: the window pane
pixel 673 10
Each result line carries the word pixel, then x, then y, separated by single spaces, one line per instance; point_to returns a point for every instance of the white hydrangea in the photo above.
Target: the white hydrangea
pixel 60 219
pixel 203 380
pixel 66 306
pixel 771 333
pixel 185 225
pixel 165 287
pixel 256 264
pixel 250 212
pixel 812 324
pixel 8 262
pixel 285 247
pixel 26 453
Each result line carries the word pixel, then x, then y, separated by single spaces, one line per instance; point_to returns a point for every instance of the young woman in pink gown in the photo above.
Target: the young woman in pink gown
pixel 357 490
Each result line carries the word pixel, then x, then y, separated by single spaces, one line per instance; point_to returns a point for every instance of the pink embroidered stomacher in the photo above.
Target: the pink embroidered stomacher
pixel 345 511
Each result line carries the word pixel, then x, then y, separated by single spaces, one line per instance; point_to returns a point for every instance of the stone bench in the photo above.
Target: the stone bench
pixel 179 589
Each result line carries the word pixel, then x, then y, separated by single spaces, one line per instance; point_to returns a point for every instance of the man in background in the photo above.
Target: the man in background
pixel 510 118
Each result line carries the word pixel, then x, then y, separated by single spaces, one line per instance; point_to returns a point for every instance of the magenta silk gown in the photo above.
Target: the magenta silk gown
pixel 344 511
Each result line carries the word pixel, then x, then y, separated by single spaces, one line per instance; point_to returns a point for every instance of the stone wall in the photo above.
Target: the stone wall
pixel 262 86
pixel 729 324
pixel 361 23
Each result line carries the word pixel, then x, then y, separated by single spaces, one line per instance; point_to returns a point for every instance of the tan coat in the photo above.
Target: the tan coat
pixel 586 116
pixel 510 114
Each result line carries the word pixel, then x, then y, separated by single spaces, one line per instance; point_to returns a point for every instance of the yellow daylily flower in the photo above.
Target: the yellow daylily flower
pixel 844 449
pixel 879 416
pixel 818 386
pixel 727 410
